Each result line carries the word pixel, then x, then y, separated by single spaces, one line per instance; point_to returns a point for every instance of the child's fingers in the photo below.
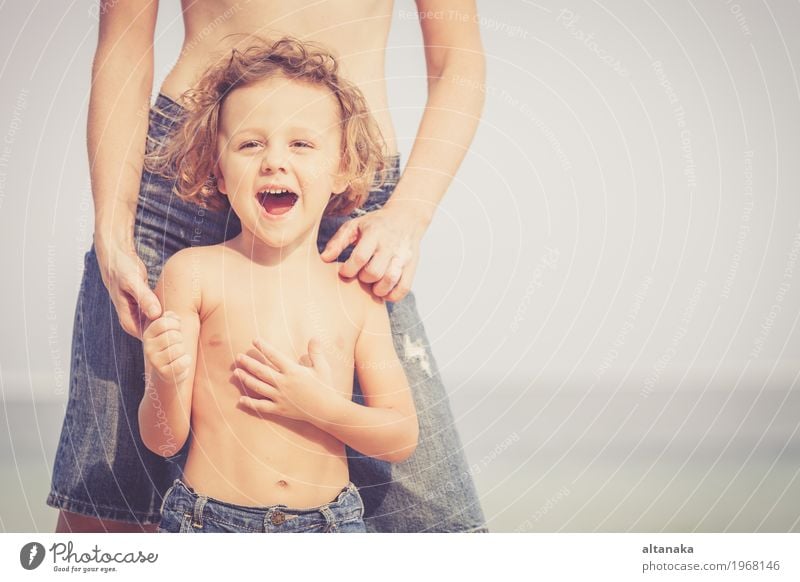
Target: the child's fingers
pixel 261 406
pixel 177 374
pixel 171 337
pixel 273 356
pixel 162 324
pixel 171 356
pixel 180 367
pixel 255 385
pixel 316 354
pixel 181 362
pixel 261 371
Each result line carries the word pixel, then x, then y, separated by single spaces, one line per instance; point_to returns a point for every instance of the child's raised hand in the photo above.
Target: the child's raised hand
pixel 299 390
pixel 164 350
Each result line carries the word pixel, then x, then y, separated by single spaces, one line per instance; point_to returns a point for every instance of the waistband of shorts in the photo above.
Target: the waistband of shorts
pixel 184 499
pixel 165 112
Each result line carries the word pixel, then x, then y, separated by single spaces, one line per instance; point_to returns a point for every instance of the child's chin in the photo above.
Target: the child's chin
pixel 280 234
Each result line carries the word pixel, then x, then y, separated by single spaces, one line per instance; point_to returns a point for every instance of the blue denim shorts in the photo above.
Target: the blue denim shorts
pixel 102 469
pixel 184 511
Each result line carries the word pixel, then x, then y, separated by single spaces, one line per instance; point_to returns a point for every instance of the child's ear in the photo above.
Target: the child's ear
pixel 340 184
pixel 220 180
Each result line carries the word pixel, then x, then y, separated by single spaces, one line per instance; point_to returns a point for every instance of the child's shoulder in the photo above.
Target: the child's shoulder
pixel 362 298
pixel 192 262
pixel 201 254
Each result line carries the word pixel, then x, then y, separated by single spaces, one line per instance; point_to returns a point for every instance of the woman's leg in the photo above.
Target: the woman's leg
pixel 104 478
pixel 433 490
pixel 102 472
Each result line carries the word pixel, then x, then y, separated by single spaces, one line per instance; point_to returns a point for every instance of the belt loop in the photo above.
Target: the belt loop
pixel 164 499
pixel 199 505
pixel 330 521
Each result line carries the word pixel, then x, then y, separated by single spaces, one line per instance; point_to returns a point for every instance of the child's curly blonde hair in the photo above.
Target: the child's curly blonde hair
pixel 189 154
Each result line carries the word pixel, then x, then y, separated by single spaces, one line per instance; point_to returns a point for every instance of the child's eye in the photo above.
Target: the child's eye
pixel 249 144
pixel 302 144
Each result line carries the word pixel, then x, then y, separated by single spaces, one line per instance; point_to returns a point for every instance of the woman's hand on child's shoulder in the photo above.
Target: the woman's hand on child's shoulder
pixel 386 253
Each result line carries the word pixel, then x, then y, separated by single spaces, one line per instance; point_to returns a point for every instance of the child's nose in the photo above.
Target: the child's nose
pixel 274 160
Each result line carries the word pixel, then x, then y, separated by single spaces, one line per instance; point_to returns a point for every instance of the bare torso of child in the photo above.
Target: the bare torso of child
pixel 256 460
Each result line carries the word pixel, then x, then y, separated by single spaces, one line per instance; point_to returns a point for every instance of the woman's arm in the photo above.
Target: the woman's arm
pixel 456 77
pixel 387 249
pixel 386 428
pixel 122 80
pixel 170 350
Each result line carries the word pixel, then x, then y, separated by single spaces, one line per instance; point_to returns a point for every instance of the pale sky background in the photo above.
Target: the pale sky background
pixel 577 160
pixel 627 220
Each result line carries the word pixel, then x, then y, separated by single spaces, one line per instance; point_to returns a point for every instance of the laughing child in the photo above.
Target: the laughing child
pixel 256 350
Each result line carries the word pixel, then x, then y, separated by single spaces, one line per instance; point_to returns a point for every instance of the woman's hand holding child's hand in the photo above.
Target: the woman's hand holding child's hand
pixel 289 389
pixel 164 350
pixel 125 276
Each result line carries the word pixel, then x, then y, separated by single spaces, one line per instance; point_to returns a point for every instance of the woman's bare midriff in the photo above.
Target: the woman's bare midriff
pixel 354 32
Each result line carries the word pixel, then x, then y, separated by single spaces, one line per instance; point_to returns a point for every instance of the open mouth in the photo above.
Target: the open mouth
pixel 277 201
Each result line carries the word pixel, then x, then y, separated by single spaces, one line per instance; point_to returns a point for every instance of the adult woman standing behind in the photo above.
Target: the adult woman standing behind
pixel 104 479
